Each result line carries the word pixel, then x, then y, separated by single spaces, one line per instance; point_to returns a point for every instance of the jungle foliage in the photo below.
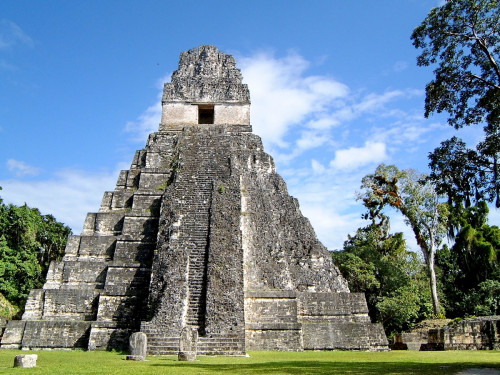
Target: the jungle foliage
pixel 29 241
pixel 393 279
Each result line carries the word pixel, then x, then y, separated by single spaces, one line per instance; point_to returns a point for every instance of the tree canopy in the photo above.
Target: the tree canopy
pixel 29 241
pixel 416 199
pixel 393 279
pixel 462 38
pixel 470 269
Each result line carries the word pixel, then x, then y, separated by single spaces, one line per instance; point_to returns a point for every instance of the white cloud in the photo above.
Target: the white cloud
pixel 355 157
pixel 314 117
pixel 146 123
pixel 68 195
pixel 20 168
pixel 317 167
pixel 284 97
pixel 149 120
pixel 375 102
pixel 494 216
pixel 11 34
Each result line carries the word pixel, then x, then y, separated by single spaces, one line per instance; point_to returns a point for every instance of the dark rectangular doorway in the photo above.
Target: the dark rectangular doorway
pixel 205 114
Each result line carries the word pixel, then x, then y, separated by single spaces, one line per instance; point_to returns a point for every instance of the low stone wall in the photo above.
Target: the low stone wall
pixel 287 320
pixel 482 333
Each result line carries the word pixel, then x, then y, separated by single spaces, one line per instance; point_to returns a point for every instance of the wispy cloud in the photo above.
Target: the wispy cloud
pixel 284 97
pixel 308 123
pixel 67 195
pixel 20 168
pixel 11 34
pixel 372 153
pixel 148 121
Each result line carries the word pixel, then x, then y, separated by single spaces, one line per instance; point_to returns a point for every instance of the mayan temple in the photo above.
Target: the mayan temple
pixel 200 234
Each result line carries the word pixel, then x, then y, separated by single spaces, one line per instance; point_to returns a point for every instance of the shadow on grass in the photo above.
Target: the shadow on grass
pixel 321 368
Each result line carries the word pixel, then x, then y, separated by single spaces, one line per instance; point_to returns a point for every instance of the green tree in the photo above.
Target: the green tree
pixel 378 264
pixel 28 242
pixel 416 199
pixel 462 39
pixel 470 272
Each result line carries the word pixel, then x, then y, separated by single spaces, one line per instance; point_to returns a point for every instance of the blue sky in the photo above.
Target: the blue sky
pixel 334 86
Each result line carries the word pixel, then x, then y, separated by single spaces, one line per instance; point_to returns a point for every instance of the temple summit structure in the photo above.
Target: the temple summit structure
pixel 201 236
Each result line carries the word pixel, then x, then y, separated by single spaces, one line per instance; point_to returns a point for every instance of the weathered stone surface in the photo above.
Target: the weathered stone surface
pixel 13 334
pixel 25 360
pixel 62 334
pixel 199 238
pixel 481 333
pixel 206 75
pixel 188 344
pixel 138 346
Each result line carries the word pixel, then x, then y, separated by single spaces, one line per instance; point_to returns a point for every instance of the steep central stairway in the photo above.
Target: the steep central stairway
pixel 197 167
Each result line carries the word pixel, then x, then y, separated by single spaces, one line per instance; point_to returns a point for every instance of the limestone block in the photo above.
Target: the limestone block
pixel 232 114
pixel 83 274
pixel 61 334
pixel 122 311
pixel 110 223
pixel 103 337
pixel 274 339
pixel 133 177
pixel 188 344
pixel 126 280
pixel 331 304
pixel 96 247
pixel 148 204
pixel 55 274
pixel 34 305
pixel 121 200
pixel 134 251
pixel 140 226
pixel 89 224
pixel 178 114
pixel 138 346
pixel 106 201
pixel 13 334
pixel 74 304
pixel 139 158
pixel 122 180
pixel 161 142
pixel 267 310
pixel 25 360
pixel 72 245
pixel 158 160
pixel 153 180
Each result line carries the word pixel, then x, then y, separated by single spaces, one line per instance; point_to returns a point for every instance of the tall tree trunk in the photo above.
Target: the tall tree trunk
pixel 429 259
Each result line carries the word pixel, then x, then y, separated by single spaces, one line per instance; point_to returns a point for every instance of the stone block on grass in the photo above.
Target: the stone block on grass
pixel 25 360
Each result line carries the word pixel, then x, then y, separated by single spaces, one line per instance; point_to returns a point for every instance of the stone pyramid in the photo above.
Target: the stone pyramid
pixel 200 233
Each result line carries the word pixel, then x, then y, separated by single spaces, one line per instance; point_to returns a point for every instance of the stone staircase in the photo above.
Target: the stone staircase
pixel 98 287
pixel 196 171
pixel 196 227
pixel 158 343
pixel 226 345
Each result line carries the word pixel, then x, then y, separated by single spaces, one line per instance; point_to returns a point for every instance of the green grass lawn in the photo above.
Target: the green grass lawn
pixel 318 363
